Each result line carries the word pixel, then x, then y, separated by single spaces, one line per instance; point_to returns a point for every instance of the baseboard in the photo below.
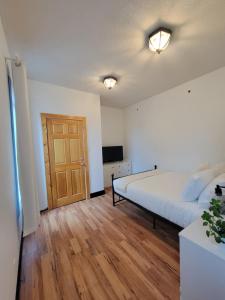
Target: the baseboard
pixel 29 231
pixel 96 194
pixel 19 269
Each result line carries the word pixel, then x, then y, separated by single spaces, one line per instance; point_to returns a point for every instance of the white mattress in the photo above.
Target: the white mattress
pixel 161 194
pixel 122 183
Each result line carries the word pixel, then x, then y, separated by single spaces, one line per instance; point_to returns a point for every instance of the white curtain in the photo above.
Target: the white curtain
pixel 25 149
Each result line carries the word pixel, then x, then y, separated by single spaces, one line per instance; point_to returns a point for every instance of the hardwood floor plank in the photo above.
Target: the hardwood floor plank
pixel 154 293
pixel 164 256
pixel 107 267
pixel 49 282
pixel 75 245
pixel 93 251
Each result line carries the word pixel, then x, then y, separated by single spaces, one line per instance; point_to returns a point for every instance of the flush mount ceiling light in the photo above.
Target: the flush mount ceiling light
pixel 159 39
pixel 109 82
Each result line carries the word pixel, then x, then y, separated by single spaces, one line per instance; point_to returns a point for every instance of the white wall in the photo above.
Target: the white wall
pixel 9 240
pixel 48 98
pixel 112 126
pixel 179 130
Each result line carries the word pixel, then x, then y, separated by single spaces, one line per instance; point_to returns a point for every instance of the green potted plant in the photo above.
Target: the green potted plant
pixel 215 221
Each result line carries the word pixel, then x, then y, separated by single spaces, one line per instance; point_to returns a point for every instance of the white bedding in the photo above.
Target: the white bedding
pixel 122 183
pixel 162 194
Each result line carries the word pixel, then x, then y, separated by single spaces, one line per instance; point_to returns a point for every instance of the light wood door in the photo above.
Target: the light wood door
pixel 68 159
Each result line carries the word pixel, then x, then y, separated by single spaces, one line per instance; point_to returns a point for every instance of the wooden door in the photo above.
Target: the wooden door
pixel 68 165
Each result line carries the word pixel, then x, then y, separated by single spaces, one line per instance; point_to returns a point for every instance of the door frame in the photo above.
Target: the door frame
pixel 44 118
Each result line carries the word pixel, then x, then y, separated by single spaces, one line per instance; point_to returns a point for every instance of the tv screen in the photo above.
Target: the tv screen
pixel 112 153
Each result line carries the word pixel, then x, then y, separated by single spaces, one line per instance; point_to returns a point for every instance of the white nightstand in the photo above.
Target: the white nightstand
pixel 202 265
pixel 122 168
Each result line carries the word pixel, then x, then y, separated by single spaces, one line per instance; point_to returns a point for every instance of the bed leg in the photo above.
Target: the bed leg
pixel 113 194
pixel 154 222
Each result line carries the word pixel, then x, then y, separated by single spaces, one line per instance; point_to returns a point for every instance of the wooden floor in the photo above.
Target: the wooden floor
pixel 92 250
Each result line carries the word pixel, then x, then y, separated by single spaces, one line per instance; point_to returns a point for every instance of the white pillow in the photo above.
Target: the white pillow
pixel 209 192
pixel 196 184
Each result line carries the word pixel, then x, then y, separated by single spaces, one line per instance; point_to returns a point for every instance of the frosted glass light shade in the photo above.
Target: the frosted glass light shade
pixel 159 40
pixel 110 82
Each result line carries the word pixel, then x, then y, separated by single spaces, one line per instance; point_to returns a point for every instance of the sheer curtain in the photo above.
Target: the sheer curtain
pixel 19 210
pixel 23 146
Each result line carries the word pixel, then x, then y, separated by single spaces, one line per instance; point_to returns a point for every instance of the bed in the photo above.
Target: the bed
pixel 158 192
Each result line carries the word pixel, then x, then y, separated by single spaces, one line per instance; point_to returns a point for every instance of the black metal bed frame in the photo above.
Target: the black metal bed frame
pixel 219 190
pixel 122 198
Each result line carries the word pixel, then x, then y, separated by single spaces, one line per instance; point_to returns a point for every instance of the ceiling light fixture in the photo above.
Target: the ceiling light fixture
pixel 159 39
pixel 109 82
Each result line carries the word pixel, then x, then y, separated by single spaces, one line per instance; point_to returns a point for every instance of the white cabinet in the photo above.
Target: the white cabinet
pixel 202 265
pixel 119 169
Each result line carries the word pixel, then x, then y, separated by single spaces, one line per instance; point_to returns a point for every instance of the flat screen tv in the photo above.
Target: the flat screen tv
pixel 112 153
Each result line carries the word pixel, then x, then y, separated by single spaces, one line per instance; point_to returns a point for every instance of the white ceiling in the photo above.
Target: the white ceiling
pixel 74 43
